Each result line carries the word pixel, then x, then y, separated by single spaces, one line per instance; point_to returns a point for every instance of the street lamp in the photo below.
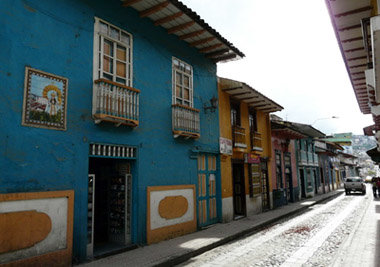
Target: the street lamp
pixel 332 117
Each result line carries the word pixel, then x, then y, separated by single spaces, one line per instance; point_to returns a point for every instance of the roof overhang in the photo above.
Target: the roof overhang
pixel 180 20
pixel 350 19
pixel 287 133
pixel 369 130
pixel 374 154
pixel 244 93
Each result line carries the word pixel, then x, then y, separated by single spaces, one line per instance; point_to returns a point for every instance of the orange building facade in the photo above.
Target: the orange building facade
pixel 246 150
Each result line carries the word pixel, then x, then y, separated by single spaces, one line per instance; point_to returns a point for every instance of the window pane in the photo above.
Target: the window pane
pixel 121 69
pixel 121 53
pixel 186 81
pixel 103 27
pixel 108 48
pixel 178 78
pixel 186 94
pixel 176 62
pixel 182 66
pixel 107 64
pixel 114 33
pixel 107 76
pixel 179 91
pixel 188 69
pixel 120 80
pixel 125 38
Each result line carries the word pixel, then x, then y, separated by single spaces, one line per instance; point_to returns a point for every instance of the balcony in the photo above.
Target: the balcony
pixel 310 158
pixel 185 121
pixel 256 141
pixel 316 163
pixel 238 135
pixel 302 157
pixel 115 103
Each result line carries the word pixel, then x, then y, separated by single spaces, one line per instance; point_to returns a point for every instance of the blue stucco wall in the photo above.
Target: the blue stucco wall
pixel 57 37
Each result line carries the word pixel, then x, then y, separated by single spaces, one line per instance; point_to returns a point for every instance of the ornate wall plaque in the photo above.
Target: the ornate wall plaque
pixel 45 100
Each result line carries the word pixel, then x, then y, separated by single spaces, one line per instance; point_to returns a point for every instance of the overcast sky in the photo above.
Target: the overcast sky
pixel 292 57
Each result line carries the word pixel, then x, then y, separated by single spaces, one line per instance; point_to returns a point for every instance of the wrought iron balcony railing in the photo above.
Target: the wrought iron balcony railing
pixel 116 103
pixel 185 121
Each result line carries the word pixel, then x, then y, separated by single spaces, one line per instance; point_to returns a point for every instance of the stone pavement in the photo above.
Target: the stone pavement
pixel 180 249
pixel 362 247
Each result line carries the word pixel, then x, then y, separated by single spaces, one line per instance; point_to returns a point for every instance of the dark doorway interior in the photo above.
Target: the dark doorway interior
pixel 238 190
pixel 112 205
pixel 303 189
pixel 322 180
pixel 265 186
pixel 288 178
pixel 289 185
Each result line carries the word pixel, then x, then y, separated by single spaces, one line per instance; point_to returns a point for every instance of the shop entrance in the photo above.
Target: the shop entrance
pixel 239 190
pixel 109 206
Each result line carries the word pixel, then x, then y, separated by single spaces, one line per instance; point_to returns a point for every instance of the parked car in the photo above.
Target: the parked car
pixel 354 184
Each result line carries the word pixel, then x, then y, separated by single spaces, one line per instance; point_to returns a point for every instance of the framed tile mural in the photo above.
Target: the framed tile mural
pixel 45 100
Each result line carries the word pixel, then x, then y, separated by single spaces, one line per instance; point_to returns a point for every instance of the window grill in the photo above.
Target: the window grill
pixel 112 151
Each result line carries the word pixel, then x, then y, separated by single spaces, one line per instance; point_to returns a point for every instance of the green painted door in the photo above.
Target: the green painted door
pixel 206 190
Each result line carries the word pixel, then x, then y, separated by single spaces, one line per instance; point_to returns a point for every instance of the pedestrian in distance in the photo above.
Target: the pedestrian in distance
pixel 374 186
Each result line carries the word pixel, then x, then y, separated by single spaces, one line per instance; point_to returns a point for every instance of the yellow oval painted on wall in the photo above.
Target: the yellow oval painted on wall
pixel 173 207
pixel 22 229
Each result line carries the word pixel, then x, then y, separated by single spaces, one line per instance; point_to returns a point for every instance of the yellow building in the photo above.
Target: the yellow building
pixel 245 142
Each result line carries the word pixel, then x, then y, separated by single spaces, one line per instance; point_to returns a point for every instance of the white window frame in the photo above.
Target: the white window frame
pixel 180 99
pixel 98 72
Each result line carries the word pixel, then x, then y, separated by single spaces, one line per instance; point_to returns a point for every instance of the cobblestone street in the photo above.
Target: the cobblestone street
pixel 323 236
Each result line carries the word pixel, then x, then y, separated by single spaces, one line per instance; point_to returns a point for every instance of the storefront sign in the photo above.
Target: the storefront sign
pixel 225 146
pixel 253 159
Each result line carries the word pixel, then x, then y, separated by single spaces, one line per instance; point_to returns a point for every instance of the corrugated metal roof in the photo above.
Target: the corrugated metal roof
pixel 180 20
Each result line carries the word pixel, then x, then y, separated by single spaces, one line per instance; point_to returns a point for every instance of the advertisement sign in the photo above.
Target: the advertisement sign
pixel 225 146
pixel 253 159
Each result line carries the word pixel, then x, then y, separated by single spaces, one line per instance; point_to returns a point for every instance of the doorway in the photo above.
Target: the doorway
pixel 322 180
pixel 288 185
pixel 109 206
pixel 288 178
pixel 315 182
pixel 265 186
pixel 302 180
pixel 238 190
pixel 207 185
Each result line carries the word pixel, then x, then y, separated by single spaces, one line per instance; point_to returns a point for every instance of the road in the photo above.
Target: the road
pixel 342 232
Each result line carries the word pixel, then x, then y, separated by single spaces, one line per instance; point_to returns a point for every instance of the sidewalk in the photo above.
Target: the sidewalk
pixel 180 249
pixel 362 247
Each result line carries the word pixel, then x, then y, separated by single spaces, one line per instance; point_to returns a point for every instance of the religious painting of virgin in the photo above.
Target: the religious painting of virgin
pixel 45 100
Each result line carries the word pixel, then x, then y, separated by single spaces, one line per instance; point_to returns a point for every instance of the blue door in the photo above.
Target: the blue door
pixel 206 190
